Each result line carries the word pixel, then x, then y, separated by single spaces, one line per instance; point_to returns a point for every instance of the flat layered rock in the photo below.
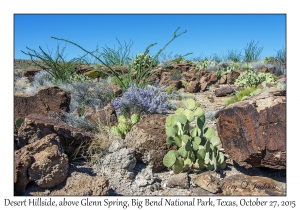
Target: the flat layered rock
pixel 253 132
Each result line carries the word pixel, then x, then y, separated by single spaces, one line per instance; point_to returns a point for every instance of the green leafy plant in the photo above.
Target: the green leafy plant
pixel 142 76
pixel 124 125
pixel 197 147
pixel 117 57
pixel 242 94
pixel 60 69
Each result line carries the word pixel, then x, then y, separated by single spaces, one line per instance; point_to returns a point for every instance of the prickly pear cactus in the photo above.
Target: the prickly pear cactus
pixel 115 131
pixel 197 146
pixel 135 118
pixel 124 125
pixel 19 122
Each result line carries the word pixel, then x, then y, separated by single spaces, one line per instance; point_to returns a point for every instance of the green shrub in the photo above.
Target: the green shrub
pixel 241 95
pixel 197 147
pixel 253 78
pixel 60 69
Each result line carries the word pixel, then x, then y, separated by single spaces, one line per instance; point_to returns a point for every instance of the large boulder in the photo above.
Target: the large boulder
pixel 42 162
pixel 253 132
pixel 148 139
pixel 46 99
pixel 36 127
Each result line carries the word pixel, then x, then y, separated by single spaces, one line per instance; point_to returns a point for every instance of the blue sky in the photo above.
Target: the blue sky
pixel 207 33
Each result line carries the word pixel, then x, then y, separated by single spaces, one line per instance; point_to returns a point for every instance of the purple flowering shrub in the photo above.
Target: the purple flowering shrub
pixel 148 100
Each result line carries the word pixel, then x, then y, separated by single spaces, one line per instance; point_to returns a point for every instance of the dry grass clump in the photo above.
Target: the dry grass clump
pixel 99 144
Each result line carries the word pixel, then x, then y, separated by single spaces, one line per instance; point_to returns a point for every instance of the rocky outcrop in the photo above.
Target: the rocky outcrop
pixel 46 99
pixel 36 127
pixel 148 139
pixel 253 132
pixel 42 162
pixel 232 76
pixel 193 87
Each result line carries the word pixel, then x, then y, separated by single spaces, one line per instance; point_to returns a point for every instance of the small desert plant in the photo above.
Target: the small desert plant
pixel 146 100
pixel 226 67
pixel 197 147
pixel 253 78
pixel 233 55
pixel 124 125
pixel 117 57
pixel 241 95
pixel 76 121
pixel 60 69
pixel 252 52
pixel 94 94
pixel 205 64
pixel 175 74
pixel 141 61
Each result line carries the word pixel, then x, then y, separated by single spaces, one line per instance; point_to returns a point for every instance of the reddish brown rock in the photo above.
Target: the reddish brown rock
pixel 106 116
pixel 30 73
pixel 42 162
pixel 192 75
pixel 223 91
pixel 204 86
pixel 193 87
pixel 223 79
pixel 255 136
pixel 179 181
pixel 165 78
pixel 80 184
pixel 266 70
pixel 213 78
pixel 148 139
pixel 46 99
pixel 175 84
pixel 83 68
pixel 232 76
pixel 36 127
pixel 203 79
